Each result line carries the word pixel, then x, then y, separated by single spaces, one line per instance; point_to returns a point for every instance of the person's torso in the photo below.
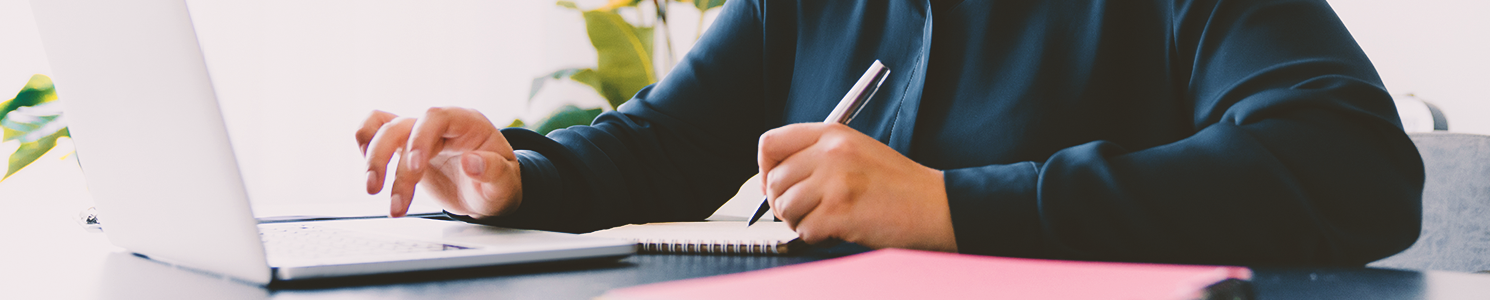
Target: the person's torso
pixel 987 82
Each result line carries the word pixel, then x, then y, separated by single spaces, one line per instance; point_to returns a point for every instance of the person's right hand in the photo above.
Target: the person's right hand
pixel 456 153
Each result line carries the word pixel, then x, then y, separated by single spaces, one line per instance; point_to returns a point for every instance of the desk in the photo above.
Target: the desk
pixel 48 256
pixel 119 275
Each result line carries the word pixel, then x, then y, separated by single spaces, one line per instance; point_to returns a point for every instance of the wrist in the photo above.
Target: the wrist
pixel 942 235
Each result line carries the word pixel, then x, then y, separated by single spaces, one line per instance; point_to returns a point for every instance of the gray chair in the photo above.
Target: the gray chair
pixel 1456 205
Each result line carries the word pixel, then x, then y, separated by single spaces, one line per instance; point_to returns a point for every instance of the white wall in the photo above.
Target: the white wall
pixel 20 53
pixel 1435 49
pixel 296 77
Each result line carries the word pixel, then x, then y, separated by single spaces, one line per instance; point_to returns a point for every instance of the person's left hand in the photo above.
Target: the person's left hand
pixel 829 181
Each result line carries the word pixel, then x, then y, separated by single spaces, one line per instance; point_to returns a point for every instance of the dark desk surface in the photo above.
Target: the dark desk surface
pixel 125 276
pixel 47 256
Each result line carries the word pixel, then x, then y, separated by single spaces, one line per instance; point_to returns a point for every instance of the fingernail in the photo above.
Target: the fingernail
pixel 396 208
pixel 473 163
pixel 416 160
pixel 372 181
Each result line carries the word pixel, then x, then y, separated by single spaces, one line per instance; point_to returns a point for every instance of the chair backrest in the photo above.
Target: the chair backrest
pixel 1456 205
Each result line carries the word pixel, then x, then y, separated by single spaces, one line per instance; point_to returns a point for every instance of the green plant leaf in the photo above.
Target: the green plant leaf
pixel 705 5
pixel 10 134
pixel 586 76
pixel 32 123
pixel 625 55
pixel 540 80
pixel 516 123
pixel 566 116
pixel 30 152
pixel 591 78
pixel 612 5
pixel 33 118
pixel 38 90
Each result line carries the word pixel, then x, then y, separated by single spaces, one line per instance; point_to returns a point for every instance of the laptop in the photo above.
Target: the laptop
pixel 155 151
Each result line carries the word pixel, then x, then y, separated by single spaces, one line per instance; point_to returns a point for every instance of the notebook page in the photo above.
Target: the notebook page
pixel 702 231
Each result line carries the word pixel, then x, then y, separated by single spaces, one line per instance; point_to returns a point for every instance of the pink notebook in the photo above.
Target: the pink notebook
pixel 909 274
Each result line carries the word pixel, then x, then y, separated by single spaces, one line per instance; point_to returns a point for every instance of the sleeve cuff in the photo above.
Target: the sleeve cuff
pixel 995 210
pixel 540 177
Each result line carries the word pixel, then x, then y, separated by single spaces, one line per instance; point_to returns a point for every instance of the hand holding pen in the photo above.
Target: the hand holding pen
pixel 845 111
pixel 831 182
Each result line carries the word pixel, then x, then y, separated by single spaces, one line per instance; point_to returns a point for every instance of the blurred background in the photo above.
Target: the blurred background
pixel 296 78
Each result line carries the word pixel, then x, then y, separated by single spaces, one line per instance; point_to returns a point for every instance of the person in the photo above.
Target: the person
pixel 1213 132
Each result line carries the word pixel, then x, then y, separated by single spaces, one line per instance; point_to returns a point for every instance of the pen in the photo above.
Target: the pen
pixel 847 108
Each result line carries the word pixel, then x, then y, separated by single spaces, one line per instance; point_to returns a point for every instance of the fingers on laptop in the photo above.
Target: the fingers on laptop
pixel 423 141
pixel 388 139
pixel 402 191
pixel 452 132
pixel 497 188
pixel 439 127
pixel 461 129
pixel 371 126
pixel 419 141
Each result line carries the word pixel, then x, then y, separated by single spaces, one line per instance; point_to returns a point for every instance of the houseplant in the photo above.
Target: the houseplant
pixel 34 119
pixel 625 59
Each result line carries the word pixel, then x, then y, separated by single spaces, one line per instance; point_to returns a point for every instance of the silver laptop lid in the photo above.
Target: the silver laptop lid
pixel 149 134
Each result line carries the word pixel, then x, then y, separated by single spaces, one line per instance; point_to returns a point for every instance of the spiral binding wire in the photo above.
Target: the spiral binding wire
pixel 709 246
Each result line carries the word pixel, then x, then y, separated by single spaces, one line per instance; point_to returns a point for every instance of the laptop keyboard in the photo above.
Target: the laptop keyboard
pixel 304 241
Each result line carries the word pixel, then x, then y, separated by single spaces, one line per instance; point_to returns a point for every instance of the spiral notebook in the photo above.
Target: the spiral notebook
pixel 714 237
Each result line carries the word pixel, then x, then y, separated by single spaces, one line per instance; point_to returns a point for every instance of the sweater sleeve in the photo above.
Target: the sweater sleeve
pixel 675 152
pixel 1297 158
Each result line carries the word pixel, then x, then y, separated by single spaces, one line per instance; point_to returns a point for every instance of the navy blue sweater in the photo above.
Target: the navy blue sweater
pixel 1219 132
